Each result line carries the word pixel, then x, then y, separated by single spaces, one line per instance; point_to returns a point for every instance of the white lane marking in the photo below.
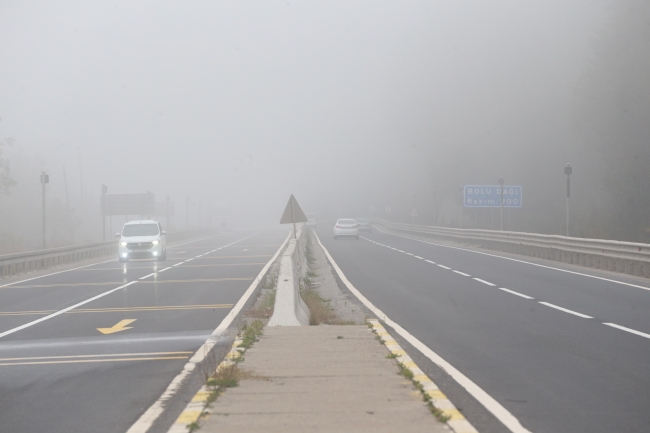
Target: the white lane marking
pixel 409 254
pixel 163 270
pixel 418 257
pixel 443 266
pixel 632 331
pixel 180 263
pixel 42 319
pixel 189 260
pixel 461 273
pixel 484 282
pixel 493 406
pixel 144 423
pixel 565 310
pixel 147 276
pixel 516 293
pixel 400 251
pixel 523 261
pixel 429 261
pixel 55 273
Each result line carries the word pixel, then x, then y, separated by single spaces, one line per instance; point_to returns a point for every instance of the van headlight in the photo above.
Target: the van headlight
pixel 155 242
pixel 123 244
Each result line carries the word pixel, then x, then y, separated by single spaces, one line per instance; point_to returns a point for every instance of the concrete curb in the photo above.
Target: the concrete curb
pixel 457 421
pixel 290 309
pixel 198 407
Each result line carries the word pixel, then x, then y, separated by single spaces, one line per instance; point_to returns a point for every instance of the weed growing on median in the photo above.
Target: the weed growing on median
pixel 251 333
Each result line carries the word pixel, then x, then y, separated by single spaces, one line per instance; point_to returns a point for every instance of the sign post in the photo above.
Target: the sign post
pixel 568 170
pixel 293 214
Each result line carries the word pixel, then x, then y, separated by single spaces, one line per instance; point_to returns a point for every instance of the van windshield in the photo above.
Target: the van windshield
pixel 131 230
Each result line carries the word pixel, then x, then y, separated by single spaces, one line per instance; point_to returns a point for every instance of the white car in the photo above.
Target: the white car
pixel 346 228
pixel 143 239
pixel 311 219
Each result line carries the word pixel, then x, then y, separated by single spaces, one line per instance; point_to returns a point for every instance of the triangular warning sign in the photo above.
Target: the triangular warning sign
pixel 293 213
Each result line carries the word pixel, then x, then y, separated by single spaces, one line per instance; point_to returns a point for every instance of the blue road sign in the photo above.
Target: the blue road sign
pixel 490 196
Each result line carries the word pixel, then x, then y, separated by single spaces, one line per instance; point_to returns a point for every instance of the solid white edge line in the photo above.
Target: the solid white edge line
pixel 631 331
pixel 55 273
pixel 443 266
pixel 42 319
pixel 147 419
pixel 520 261
pixel 575 313
pixel 493 406
pixel 484 282
pixel 461 273
pixel 515 293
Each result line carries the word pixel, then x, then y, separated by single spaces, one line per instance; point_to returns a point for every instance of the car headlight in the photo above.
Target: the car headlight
pixel 155 242
pixel 123 244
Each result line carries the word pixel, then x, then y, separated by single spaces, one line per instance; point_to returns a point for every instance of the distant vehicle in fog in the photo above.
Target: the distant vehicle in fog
pixel 311 219
pixel 142 239
pixel 346 228
pixel 364 225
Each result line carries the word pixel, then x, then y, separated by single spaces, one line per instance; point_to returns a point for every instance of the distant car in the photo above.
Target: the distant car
pixel 364 225
pixel 311 219
pixel 346 228
pixel 142 239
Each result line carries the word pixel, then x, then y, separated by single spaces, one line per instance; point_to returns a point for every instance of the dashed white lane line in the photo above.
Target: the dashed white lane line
pixel 189 260
pixel 147 276
pixel 632 331
pixel 484 282
pixel 163 270
pixel 408 254
pixel 399 251
pixel 418 257
pixel 178 264
pixel 443 266
pixel 429 261
pixel 461 273
pixel 575 313
pixel 516 293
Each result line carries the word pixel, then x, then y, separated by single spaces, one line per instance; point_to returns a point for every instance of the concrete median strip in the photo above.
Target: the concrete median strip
pixel 444 407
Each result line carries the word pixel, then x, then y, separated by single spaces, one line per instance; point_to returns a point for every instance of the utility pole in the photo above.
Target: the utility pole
pixel 45 179
pixel 167 210
pixel 501 183
pixel 462 203
pixel 568 170
pixel 104 191
pixel 187 213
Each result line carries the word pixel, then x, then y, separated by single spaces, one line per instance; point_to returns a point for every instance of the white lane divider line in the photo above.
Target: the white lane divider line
pixel 429 261
pixel 65 310
pixel 493 406
pixel 461 273
pixel 418 257
pixel 147 276
pixel 484 282
pixel 399 251
pixel 516 293
pixel 189 260
pixel 632 331
pixel 443 266
pixel 408 254
pixel 575 313
pixel 177 264
pixel 163 270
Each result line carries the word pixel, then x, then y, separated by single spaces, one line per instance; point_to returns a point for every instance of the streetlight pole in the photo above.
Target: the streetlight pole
pixel 45 179
pixel 568 170
pixel 104 191
pixel 501 183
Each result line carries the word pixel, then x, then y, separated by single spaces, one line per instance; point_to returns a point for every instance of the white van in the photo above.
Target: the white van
pixel 142 239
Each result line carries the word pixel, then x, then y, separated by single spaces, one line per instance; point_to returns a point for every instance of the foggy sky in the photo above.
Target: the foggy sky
pixel 244 103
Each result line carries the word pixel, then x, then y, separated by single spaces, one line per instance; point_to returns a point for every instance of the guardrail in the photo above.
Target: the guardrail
pixel 625 257
pixel 12 264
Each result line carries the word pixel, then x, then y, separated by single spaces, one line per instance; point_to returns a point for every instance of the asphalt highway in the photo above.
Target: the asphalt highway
pixel 99 366
pixel 562 352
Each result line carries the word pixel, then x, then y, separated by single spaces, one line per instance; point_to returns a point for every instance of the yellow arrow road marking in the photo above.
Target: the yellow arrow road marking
pixel 120 326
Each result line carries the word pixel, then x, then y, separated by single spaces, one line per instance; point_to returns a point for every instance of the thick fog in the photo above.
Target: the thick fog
pixel 350 106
